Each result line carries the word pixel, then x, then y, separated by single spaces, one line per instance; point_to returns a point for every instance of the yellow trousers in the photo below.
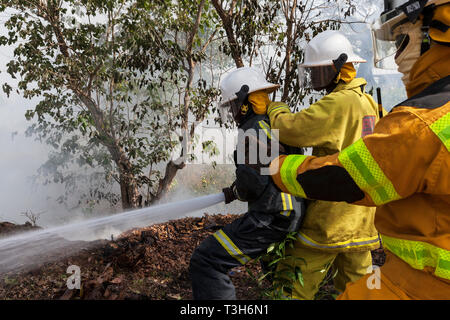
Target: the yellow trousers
pixel 314 265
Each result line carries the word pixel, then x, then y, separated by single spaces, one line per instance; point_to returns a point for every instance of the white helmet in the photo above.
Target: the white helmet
pixel 325 55
pixel 235 88
pixel 326 47
pixel 250 76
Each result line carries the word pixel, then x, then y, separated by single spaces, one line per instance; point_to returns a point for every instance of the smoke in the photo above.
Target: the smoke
pixel 20 159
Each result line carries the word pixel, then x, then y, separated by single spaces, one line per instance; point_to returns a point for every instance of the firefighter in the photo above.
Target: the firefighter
pixel 271 214
pixel 403 167
pixel 333 234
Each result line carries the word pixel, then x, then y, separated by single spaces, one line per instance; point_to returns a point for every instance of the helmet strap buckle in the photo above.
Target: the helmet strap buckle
pixel 428 13
pixel 426 40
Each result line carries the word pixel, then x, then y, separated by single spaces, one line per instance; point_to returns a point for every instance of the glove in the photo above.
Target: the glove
pixel 230 193
pixel 249 184
pixel 259 100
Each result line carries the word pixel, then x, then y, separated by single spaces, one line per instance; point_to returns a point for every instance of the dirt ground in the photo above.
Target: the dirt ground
pixel 148 263
pixel 8 228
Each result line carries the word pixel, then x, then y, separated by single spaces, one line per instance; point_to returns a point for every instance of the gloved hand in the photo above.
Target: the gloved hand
pixel 259 100
pixel 230 193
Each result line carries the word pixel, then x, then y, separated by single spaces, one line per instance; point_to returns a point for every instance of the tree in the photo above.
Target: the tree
pixel 116 80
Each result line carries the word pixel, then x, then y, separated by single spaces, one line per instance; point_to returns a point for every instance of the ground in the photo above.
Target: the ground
pixel 8 228
pixel 148 263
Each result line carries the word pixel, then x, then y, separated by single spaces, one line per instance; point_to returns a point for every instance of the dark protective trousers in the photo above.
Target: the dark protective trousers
pixel 267 221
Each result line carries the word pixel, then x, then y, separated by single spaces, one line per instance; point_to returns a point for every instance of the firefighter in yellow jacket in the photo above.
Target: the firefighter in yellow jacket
pixel 403 167
pixel 333 234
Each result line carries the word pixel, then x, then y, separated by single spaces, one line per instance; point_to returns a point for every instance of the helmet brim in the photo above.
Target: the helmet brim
pixel 270 87
pixel 354 59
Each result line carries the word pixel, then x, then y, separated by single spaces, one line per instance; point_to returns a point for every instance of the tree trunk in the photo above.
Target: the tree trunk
pixel 129 193
pixel 164 183
pixel 129 188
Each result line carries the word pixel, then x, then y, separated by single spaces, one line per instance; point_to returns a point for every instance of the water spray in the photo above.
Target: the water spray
pixel 30 248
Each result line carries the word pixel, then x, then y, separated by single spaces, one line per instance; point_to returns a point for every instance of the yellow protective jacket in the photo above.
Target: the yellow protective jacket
pixel 404 169
pixel 329 126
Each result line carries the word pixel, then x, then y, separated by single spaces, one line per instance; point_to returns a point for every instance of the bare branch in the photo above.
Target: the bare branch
pixel 227 25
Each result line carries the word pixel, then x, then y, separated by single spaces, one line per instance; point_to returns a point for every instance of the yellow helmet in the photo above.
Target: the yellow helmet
pixel 434 19
pixel 440 24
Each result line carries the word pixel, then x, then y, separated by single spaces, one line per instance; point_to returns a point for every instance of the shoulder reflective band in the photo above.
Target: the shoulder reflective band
pixel 288 173
pixel 287 204
pixel 354 243
pixel 442 129
pixel 277 106
pixel 359 163
pixel 420 255
pixel 231 248
pixel 266 128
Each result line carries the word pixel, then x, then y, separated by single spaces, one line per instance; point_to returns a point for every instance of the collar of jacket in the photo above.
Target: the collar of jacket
pixel 357 84
pixel 429 68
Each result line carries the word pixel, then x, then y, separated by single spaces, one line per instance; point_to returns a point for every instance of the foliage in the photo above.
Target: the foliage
pixel 284 270
pixel 116 81
pixel 282 279
pixel 327 291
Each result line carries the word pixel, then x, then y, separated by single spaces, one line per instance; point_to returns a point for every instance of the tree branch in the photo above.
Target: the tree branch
pixel 227 24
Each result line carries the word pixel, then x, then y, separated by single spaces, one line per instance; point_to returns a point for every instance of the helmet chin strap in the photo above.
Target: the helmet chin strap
pixel 242 94
pixel 242 99
pixel 339 62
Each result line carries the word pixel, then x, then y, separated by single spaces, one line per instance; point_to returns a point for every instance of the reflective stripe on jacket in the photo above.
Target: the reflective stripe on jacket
pixel 403 168
pixel 272 202
pixel 330 125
